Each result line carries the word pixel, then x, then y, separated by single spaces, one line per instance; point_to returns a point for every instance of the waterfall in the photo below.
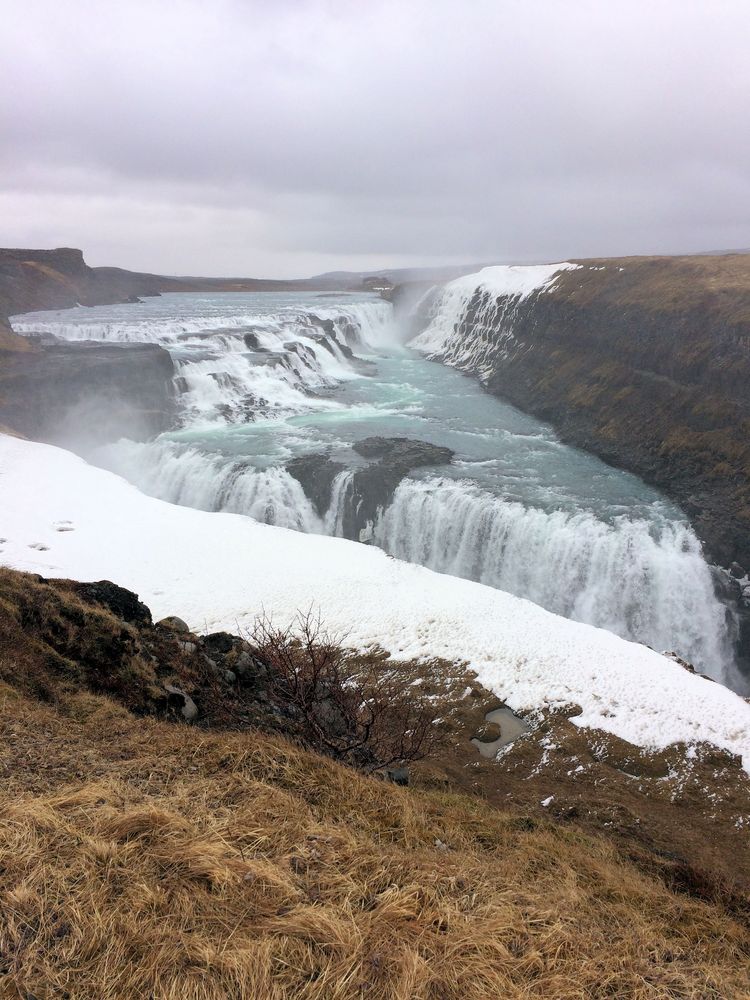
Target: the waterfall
pixel 333 522
pixel 190 477
pixel 638 573
pixel 644 580
pixel 470 320
pixel 234 365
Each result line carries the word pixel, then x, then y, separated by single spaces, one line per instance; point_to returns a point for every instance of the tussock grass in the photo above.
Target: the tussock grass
pixel 142 859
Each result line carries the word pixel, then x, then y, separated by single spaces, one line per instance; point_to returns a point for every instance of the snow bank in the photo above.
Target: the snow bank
pixel 62 517
pixel 514 282
pixel 511 279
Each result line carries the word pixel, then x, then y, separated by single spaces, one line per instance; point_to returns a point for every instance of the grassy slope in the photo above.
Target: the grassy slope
pixel 145 858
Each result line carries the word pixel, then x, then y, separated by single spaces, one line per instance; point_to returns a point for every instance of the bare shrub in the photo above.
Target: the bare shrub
pixel 363 709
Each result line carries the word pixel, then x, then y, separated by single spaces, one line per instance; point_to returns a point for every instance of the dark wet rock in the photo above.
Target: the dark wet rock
pixel 118 600
pixel 218 643
pixel 736 594
pixel 253 342
pixel 316 474
pixel 80 395
pixel 371 487
pixel 403 452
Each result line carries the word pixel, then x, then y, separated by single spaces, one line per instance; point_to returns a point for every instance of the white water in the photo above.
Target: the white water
pixel 471 319
pixel 639 578
pixel 263 378
pixel 237 364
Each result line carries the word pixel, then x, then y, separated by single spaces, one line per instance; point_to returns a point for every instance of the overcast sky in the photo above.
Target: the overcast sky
pixel 288 137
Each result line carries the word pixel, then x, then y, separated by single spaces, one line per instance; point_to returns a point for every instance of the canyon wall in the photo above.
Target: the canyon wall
pixel 82 395
pixel 644 361
pixel 59 279
pixel 77 395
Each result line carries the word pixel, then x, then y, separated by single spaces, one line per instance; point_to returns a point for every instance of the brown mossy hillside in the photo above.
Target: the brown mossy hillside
pixel 11 343
pixel 56 639
pixel 679 815
pixel 60 636
pixel 669 284
pixel 144 859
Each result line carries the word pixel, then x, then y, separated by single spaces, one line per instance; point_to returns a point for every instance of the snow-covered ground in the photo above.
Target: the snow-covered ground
pixel 508 282
pixel 62 517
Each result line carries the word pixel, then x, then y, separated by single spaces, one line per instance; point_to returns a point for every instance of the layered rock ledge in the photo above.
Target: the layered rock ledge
pixel 80 395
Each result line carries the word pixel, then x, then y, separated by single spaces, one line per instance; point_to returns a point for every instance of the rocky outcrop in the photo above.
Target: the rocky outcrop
pixel 59 279
pixel 68 636
pixel 11 343
pixel 369 488
pixel 316 474
pixel 62 637
pixel 79 395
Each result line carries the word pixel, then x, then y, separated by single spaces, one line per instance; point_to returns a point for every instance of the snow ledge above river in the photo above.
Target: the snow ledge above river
pixel 62 517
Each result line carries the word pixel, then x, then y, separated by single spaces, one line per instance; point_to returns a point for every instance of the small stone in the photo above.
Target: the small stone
pixel 173 624
pixel 244 661
pixel 218 644
pixel 184 702
pixel 398 775
pixel 230 676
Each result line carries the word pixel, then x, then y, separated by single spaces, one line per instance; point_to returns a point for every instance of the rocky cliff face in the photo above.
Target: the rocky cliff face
pixel 81 395
pixel 643 361
pixel 59 279
pixel 78 395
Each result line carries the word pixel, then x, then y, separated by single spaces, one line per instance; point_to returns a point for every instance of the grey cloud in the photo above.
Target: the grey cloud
pixel 251 137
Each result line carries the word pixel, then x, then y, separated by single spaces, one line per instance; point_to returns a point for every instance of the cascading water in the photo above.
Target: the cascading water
pixel 262 379
pixel 190 477
pixel 643 579
pixel 469 322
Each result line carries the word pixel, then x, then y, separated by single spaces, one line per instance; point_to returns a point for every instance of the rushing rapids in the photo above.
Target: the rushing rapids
pixel 262 379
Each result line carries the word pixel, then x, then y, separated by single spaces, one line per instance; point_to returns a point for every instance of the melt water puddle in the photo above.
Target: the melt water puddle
pixel 505 726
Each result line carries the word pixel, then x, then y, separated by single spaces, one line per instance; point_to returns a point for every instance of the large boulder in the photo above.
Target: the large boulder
pixel 371 486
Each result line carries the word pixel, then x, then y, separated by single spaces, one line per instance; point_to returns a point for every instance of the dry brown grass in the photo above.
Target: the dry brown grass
pixel 139 859
pixel 721 282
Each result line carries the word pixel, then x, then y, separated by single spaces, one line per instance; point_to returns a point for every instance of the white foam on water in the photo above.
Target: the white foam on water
pixel 644 580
